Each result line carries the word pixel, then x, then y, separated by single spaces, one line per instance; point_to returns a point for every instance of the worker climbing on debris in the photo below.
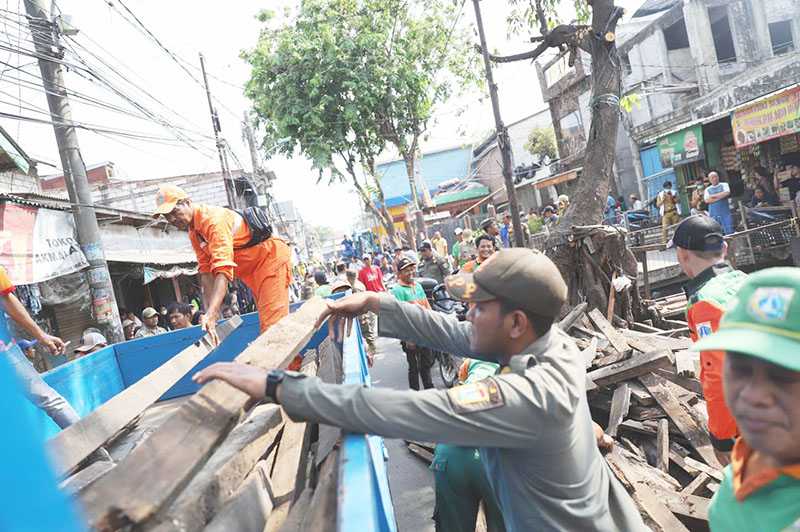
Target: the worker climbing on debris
pixel 713 283
pixel 760 334
pixel 531 423
pixel 231 244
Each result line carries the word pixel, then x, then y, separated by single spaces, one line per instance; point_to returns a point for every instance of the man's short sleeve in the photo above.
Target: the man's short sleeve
pixel 6 286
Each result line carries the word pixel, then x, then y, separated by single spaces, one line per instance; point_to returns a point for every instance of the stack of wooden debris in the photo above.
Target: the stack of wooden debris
pixel 217 462
pixel 643 390
pixel 667 312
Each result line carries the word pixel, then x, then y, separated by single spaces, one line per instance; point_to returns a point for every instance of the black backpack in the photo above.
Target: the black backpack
pixel 258 222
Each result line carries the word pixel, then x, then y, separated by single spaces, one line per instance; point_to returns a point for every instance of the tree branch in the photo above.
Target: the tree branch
pixel 562 35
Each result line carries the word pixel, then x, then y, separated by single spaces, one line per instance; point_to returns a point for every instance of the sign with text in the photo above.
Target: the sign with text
pixel 767 119
pixel 37 245
pixel 681 147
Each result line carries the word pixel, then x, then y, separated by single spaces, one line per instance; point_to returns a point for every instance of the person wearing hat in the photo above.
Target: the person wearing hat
pixel 485 246
pixel 489 226
pixel 549 216
pixel 712 284
pixel 464 249
pixel 431 264
pixel 323 287
pixel 149 324
pixel 90 342
pixel 531 423
pixel 420 359
pixel 129 329
pixel 669 206
pixel 221 239
pixel 760 334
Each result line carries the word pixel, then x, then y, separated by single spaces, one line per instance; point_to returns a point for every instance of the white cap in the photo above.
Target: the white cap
pixel 458 231
pixel 91 340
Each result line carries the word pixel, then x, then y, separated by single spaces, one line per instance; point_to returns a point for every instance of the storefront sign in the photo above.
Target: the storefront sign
pixel 769 118
pixel 681 147
pixel 38 244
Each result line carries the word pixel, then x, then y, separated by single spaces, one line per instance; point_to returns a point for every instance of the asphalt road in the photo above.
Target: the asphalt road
pixel 410 481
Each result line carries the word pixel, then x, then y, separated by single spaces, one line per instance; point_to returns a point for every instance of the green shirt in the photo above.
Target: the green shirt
pixel 323 291
pixel 772 508
pixel 410 294
pixel 534 224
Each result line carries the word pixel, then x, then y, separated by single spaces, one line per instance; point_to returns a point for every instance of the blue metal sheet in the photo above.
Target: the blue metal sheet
pixel 28 489
pixel 364 500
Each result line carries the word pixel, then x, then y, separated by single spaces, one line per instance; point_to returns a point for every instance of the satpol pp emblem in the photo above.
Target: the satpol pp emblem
pixel 770 303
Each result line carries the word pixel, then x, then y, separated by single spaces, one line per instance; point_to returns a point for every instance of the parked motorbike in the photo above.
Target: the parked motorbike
pixel 440 301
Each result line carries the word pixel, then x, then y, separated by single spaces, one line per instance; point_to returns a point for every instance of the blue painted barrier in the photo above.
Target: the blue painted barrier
pixel 364 500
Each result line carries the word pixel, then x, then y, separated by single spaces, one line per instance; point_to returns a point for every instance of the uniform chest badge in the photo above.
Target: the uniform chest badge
pixel 476 397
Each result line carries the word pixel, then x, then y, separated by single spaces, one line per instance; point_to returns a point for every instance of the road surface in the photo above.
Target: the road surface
pixel 410 480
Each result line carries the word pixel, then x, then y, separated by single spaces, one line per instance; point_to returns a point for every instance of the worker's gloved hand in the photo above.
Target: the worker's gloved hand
pixel 249 379
pixel 342 312
pixel 54 344
pixel 209 324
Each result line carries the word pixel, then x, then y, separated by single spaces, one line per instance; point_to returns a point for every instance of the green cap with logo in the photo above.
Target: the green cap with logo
pixel 763 320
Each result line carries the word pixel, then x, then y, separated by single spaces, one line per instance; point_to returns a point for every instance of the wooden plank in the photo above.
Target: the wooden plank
pixel 608 330
pixel 700 466
pixel 692 385
pixel 697 484
pixel 655 514
pixel 640 395
pixel 249 508
pixel 288 463
pixel 662 445
pixel 322 515
pixel 84 478
pixel 620 404
pixel 685 363
pixel 696 435
pixel 225 471
pixel 684 504
pixel 73 444
pixel 569 320
pixel 633 367
pixel 590 353
pixel 152 474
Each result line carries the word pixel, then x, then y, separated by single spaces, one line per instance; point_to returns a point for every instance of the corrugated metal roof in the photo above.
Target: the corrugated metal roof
pixel 435 168
pixel 461 195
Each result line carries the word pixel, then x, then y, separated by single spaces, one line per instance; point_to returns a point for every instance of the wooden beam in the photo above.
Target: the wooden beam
pixel 151 475
pixel 224 472
pixel 633 367
pixel 620 404
pixel 703 468
pixel 590 353
pixel 73 444
pixel 696 434
pixel 249 508
pixel 615 338
pixel 662 445
pixel 684 504
pixel 697 484
pixel 569 320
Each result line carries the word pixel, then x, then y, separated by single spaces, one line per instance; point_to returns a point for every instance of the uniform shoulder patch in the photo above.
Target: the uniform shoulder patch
pixel 476 397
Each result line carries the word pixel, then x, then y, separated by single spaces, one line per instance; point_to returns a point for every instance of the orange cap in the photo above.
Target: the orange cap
pixel 166 199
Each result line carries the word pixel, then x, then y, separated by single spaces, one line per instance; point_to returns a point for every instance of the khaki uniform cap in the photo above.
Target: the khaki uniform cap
pixel 524 278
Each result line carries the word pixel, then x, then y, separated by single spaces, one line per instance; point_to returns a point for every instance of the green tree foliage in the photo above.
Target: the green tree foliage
pixel 347 78
pixel 542 143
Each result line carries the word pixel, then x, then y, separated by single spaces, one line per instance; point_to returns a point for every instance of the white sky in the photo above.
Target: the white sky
pixel 220 31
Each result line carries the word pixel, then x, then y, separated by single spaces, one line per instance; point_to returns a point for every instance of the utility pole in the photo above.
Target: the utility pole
pixel 502 134
pixel 264 183
pixel 230 187
pixel 46 42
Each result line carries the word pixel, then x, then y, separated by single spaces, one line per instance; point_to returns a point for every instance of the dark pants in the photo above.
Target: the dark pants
pixel 461 485
pixel 420 361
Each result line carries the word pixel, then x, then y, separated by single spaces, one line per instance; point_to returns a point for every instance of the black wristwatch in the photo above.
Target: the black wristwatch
pixel 274 378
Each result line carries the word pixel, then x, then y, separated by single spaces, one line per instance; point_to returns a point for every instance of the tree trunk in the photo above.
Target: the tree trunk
pixel 419 218
pixel 589 258
pixel 382 214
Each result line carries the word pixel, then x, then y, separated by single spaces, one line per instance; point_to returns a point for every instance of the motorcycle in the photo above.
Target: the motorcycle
pixel 440 301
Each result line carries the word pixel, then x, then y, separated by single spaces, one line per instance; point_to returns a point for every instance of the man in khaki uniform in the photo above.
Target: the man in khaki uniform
pixel 531 423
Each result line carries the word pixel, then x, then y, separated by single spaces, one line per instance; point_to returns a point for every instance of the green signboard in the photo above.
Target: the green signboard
pixel 681 147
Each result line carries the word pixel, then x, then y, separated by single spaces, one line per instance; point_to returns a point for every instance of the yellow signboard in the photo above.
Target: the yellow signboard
pixel 769 118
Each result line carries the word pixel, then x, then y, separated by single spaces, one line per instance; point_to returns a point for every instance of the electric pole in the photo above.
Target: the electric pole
pixel 46 42
pixel 502 134
pixel 230 187
pixel 263 184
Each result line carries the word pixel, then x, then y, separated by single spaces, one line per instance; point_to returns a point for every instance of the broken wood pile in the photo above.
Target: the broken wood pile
pixel 643 390
pixel 668 307
pixel 218 462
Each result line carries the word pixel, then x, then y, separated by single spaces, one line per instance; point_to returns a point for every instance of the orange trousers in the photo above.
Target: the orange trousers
pixel 267 270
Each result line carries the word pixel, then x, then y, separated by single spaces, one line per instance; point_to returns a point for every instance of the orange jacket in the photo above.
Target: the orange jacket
pixel 708 294
pixel 217 233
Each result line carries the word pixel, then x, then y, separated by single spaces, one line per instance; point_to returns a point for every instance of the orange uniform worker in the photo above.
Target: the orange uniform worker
pixel 219 236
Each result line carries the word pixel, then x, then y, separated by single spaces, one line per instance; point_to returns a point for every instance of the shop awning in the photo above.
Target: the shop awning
pixel 164 257
pixel 11 155
pixel 151 274
pixel 556 179
pixel 146 245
